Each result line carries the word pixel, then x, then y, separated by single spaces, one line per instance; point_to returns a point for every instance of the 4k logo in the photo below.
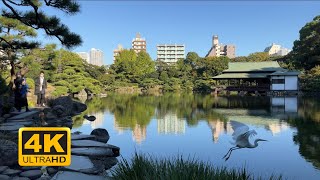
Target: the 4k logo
pixel 44 147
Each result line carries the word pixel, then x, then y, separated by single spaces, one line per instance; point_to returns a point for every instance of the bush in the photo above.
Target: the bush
pixel 59 91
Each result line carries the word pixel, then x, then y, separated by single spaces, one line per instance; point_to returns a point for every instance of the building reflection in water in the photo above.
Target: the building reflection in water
pixel 269 117
pixel 171 124
pixel 139 133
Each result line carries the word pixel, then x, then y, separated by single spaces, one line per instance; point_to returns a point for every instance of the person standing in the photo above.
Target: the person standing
pixel 17 91
pixel 40 89
pixel 24 94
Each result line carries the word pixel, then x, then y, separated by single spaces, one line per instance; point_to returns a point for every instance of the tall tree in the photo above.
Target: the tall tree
pixel 22 17
pixel 31 13
pixel 306 51
pixel 13 36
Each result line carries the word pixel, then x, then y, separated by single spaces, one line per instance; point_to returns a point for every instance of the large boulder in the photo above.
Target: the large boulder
pixel 8 153
pixel 101 134
pixel 70 107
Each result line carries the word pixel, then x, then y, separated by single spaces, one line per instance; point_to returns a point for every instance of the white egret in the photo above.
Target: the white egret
pixel 241 136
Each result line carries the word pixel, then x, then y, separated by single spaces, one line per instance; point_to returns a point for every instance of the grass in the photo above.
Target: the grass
pixel 145 167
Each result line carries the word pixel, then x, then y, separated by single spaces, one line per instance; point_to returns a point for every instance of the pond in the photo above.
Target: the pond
pixel 198 126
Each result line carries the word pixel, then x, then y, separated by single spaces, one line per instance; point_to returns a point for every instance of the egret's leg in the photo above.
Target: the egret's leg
pixel 231 152
pixel 228 152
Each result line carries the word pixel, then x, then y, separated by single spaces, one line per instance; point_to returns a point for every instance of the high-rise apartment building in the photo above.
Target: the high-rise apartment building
pixel 276 50
pixel 117 51
pixel 170 53
pixel 218 50
pixel 84 56
pixel 96 57
pixel 139 44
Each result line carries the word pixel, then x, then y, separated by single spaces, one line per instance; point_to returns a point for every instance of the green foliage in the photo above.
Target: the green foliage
pixel 144 167
pixel 132 66
pixel 32 14
pixel 306 51
pixel 60 91
pixel 256 57
pixel 30 83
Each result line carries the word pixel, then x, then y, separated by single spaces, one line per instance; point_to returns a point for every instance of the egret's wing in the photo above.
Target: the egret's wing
pixel 238 128
pixel 243 139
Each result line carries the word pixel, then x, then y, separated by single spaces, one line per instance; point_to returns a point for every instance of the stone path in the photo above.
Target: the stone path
pixel 90 157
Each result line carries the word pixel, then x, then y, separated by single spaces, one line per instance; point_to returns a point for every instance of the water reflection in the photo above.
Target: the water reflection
pixel 172 114
pixel 171 124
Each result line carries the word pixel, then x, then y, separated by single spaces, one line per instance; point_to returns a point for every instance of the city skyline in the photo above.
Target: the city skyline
pixel 251 26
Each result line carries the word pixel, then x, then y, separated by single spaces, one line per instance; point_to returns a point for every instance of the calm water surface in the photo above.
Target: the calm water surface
pixel 198 126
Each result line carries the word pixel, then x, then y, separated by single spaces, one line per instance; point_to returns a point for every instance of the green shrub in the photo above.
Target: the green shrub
pixel 59 91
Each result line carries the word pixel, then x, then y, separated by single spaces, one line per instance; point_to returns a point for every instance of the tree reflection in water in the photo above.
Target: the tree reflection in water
pixel 135 112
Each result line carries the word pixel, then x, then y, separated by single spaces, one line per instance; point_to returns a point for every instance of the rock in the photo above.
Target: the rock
pixel 91 143
pixel 6 116
pixel 71 107
pixel 107 162
pixel 20 178
pixel 11 172
pixel 3 168
pixel 2 119
pixel 32 174
pixel 89 118
pixel 8 153
pixel 62 175
pixel 25 168
pixel 59 111
pixel 81 164
pixel 78 107
pixel 4 177
pixel 82 137
pixel 101 134
pixel 51 170
pixel 93 151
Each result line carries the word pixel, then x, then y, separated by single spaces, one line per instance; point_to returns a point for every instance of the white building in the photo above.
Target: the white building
pixel 96 57
pixel 139 44
pixel 276 50
pixel 170 53
pixel 117 51
pixel 84 56
pixel 284 81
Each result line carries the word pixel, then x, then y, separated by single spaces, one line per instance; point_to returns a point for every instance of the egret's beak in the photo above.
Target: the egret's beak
pixel 263 140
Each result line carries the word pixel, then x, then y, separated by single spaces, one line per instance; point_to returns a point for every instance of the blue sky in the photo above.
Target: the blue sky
pixel 250 25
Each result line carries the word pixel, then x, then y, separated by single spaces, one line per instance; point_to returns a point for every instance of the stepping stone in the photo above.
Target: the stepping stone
pixel 32 174
pixel 90 143
pixel 20 178
pixel 21 120
pixel 30 167
pixel 4 177
pixel 23 123
pixel 62 175
pixel 24 115
pixel 11 172
pixel 92 151
pixel 82 137
pixel 11 128
pixel 81 164
pixel 3 168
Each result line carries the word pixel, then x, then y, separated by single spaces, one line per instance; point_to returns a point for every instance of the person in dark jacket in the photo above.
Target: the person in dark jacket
pixel 24 93
pixel 17 91
pixel 40 89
